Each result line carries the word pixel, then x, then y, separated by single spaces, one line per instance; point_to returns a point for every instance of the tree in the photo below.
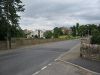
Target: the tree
pixel 9 22
pixel 73 30
pixel 77 28
pixel 57 32
pixel 82 30
pixel 3 29
pixel 36 36
pixel 0 8
pixel 91 28
pixel 48 34
pixel 98 27
pixel 95 39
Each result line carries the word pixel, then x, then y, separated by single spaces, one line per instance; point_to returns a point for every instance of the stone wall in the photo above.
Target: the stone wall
pixel 3 45
pixel 85 40
pixel 15 43
pixel 89 51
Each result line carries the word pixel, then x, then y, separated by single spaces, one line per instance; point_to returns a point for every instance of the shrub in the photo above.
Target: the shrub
pixel 48 34
pixel 95 39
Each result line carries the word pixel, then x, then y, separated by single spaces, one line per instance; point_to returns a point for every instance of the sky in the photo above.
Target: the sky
pixel 47 14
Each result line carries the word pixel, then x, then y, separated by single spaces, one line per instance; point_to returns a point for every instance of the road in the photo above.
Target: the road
pixel 28 60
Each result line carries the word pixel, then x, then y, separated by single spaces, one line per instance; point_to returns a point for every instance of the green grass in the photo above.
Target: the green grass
pixel 68 37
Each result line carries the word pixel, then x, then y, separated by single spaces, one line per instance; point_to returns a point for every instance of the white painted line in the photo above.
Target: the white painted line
pixel 36 73
pixel 49 64
pixel 44 67
pixel 41 69
pixel 66 52
pixel 80 67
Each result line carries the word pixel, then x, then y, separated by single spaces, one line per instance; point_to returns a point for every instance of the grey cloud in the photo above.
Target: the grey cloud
pixel 51 9
pixel 58 10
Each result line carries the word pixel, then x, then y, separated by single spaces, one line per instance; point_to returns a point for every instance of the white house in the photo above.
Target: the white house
pixel 33 34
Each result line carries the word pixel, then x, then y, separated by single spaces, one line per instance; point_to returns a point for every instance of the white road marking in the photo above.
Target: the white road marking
pixel 36 73
pixel 44 67
pixel 49 64
pixel 81 67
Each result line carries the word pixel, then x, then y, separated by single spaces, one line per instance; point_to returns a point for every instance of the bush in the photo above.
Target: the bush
pixel 48 34
pixel 95 39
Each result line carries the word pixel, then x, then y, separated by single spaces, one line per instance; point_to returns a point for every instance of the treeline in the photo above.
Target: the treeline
pixel 9 19
pixel 84 30
pixel 92 30
pixel 55 33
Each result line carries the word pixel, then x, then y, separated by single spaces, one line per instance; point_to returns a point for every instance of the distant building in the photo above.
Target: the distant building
pixel 66 30
pixel 29 33
pixel 39 33
pixel 34 34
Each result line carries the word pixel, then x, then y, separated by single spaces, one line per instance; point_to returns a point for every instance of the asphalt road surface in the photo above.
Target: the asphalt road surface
pixel 28 60
pixel 88 64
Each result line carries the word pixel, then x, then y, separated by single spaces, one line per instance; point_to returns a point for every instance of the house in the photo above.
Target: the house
pixel 66 30
pixel 34 34
pixel 29 33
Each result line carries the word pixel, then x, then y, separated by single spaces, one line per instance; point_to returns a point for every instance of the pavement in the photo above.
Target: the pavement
pixel 61 68
pixel 73 56
pixel 69 64
pixel 31 59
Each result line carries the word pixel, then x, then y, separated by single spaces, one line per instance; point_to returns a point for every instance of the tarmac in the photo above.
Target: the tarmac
pixel 61 66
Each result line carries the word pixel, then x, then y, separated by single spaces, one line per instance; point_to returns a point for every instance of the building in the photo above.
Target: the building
pixel 34 34
pixel 66 30
pixel 29 33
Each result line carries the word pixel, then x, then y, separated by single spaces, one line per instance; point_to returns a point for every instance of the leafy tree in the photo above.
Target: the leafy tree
pixel 3 29
pixel 0 8
pixel 77 28
pixel 57 32
pixel 9 22
pixel 81 30
pixel 95 39
pixel 84 30
pixel 91 28
pixel 48 34
pixel 36 36
pixel 98 27
pixel 73 30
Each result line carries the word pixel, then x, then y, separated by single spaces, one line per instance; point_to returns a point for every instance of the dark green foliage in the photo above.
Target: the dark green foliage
pixel 36 37
pixel 9 19
pixel 77 29
pixel 3 29
pixel 95 39
pixel 48 34
pixel 98 28
pixel 84 30
pixel 57 32
pixel 87 30
pixel 73 30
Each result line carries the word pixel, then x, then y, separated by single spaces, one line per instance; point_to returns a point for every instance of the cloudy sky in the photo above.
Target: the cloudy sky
pixel 47 14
